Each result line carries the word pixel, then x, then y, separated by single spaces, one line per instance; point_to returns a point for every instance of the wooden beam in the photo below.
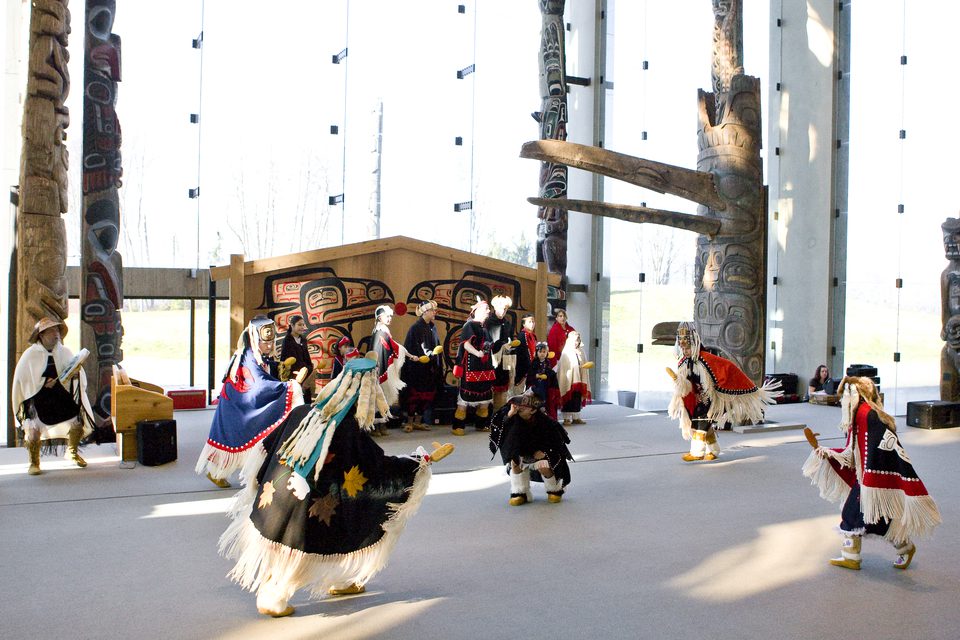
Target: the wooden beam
pixel 157 283
pixel 329 254
pixel 540 308
pixel 237 297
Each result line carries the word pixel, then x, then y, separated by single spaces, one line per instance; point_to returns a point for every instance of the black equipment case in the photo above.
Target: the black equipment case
pixel 933 414
pixel 156 442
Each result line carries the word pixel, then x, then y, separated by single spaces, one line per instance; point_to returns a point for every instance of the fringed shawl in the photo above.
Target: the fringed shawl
pixel 733 396
pixel 889 487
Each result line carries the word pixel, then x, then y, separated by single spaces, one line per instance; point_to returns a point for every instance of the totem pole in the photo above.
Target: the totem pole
pixel 730 288
pixel 41 233
pixel 950 313
pixel 552 230
pixel 102 267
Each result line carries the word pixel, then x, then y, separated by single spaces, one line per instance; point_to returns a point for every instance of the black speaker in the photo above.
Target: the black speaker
pixel 156 442
pixel 862 370
pixel 933 414
pixel 788 382
pixel 445 404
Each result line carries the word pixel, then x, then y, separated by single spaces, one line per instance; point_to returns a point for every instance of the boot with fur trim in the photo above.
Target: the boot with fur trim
pixel 520 488
pixel 272 601
pixel 905 555
pixel 459 416
pixel 33 451
pixel 554 489
pixel 73 443
pixel 849 554
pixel 698 446
pixel 712 448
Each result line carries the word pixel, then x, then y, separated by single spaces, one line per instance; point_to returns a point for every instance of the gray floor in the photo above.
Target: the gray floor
pixel 642 546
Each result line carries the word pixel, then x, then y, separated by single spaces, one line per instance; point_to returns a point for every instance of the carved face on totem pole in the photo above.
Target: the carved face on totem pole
pixel 951 238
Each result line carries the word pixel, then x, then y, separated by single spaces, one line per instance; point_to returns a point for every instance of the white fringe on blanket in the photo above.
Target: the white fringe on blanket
pixel 910 516
pixel 259 559
pixel 221 464
pixel 677 410
pixel 823 476
pixel 393 384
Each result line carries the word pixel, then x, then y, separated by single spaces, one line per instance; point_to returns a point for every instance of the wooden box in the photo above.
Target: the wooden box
pixel 933 414
pixel 127 445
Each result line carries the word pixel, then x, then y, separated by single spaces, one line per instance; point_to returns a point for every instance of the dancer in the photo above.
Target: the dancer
pixel 708 390
pixel 499 328
pixel 542 381
pixel 873 476
pixel 532 446
pixel 557 336
pixel 342 351
pixel 323 507
pixel 475 371
pixel 425 375
pixel 573 376
pixel 295 346
pixel 49 396
pixel 390 359
pixel 252 403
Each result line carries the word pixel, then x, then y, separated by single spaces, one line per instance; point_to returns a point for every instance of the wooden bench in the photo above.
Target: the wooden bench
pixel 130 402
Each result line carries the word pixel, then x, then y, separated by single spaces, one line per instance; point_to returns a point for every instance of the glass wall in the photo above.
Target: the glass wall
pixel 656 60
pixel 889 169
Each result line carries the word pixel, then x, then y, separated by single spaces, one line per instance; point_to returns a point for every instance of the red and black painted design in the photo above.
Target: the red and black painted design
pixel 330 305
pixel 102 266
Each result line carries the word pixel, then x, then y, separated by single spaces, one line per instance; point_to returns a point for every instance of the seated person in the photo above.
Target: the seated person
pixel 818 380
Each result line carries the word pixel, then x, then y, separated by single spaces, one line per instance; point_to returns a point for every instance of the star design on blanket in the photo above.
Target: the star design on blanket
pixel 266 495
pixel 353 481
pixel 324 508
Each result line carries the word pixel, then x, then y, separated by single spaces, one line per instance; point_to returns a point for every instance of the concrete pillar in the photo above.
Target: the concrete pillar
pixel 584 245
pixel 805 192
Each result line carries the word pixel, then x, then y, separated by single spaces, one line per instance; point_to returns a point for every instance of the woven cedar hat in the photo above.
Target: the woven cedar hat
pixel 425 306
pixel 526 400
pixel 46 323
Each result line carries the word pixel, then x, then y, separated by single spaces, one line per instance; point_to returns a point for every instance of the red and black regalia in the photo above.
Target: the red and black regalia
pixel 526 355
pixel 252 403
pixel 529 447
pixel 542 382
pixel 873 477
pixel 710 390
pixel 390 359
pixel 500 334
pixel 557 339
pixel 339 359
pixel 324 507
pixel 476 373
pixel 423 379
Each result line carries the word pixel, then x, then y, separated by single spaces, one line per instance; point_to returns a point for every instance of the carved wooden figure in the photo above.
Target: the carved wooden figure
pixel 41 234
pixel 729 307
pixel 102 266
pixel 950 313
pixel 552 231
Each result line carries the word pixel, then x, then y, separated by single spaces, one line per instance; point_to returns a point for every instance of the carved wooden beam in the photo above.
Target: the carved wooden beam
pixel 686 221
pixel 690 184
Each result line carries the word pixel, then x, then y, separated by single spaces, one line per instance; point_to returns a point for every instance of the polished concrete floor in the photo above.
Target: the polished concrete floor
pixel 642 546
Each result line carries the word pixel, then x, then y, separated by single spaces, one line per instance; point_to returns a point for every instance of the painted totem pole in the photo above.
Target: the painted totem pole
pixel 552 230
pixel 102 291
pixel 729 309
pixel 41 234
pixel 950 314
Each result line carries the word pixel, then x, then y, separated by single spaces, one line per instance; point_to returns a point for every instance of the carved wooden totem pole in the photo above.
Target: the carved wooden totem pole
pixel 41 234
pixel 950 314
pixel 552 231
pixel 102 295
pixel 730 287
